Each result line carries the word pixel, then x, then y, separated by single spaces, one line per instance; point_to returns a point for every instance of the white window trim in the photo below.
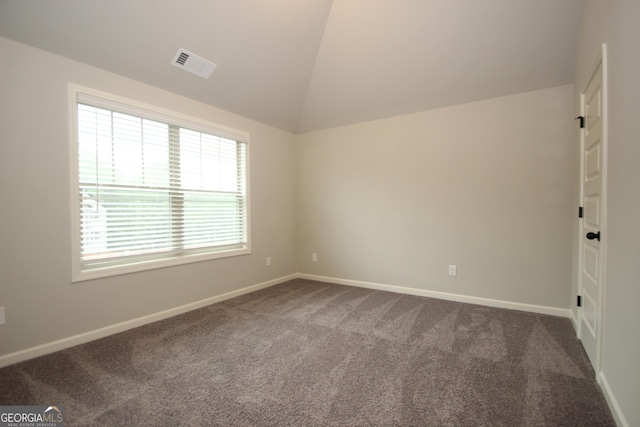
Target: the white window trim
pixel 120 103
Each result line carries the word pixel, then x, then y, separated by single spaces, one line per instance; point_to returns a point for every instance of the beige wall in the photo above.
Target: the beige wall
pixel 617 23
pixel 42 305
pixel 485 186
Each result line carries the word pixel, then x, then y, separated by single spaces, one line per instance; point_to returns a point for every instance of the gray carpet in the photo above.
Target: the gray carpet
pixel 315 354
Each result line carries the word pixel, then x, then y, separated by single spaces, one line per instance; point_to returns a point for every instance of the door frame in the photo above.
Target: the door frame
pixel 601 60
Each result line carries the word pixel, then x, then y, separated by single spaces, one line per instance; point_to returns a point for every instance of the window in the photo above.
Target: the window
pixel 153 188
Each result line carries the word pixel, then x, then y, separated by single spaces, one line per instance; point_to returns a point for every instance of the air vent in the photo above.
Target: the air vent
pixel 193 63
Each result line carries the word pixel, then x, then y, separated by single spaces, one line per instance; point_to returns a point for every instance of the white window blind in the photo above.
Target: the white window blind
pixel 152 188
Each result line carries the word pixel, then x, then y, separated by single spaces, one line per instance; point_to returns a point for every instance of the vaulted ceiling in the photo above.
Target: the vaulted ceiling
pixel 303 65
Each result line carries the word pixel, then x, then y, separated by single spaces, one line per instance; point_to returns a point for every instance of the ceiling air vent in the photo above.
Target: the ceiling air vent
pixel 193 63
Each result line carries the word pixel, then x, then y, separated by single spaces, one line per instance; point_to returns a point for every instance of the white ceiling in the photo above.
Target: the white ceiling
pixel 304 65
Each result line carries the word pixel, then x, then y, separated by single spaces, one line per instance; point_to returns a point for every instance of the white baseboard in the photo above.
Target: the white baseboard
pixel 61 344
pixel 611 401
pixel 553 311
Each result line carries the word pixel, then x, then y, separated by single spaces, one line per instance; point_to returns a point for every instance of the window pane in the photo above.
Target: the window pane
pixel 212 219
pixel 120 222
pixel 155 154
pixel 119 155
pixel 208 162
pixel 127 149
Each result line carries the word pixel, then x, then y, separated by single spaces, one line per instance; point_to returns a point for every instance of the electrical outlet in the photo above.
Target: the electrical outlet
pixel 453 270
pixel 2 318
pixel 314 257
pixel 268 261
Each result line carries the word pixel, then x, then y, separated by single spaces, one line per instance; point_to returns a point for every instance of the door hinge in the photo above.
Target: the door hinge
pixel 581 118
pixel 580 212
pixel 579 302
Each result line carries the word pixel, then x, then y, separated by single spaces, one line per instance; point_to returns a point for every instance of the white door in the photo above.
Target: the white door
pixel 591 242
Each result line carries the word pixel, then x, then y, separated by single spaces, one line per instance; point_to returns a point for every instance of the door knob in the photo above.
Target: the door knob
pixel 592 236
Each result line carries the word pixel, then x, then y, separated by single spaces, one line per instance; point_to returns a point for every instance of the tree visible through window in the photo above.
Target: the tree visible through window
pixel 150 189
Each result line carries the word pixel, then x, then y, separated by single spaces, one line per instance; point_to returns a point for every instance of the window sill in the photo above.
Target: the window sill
pixel 80 275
